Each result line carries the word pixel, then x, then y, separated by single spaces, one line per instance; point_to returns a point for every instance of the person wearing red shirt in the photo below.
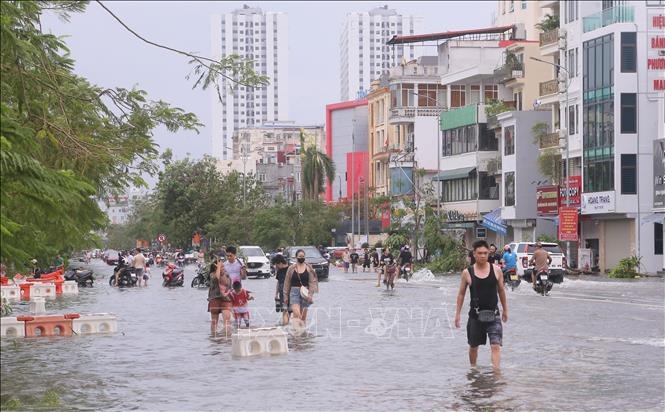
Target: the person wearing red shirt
pixel 240 297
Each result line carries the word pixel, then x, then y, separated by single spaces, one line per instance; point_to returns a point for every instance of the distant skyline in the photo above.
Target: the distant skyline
pixel 108 55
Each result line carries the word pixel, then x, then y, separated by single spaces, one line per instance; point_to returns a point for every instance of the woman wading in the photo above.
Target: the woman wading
pixel 219 298
pixel 300 285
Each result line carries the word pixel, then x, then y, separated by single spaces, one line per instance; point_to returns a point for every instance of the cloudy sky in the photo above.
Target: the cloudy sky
pixel 108 55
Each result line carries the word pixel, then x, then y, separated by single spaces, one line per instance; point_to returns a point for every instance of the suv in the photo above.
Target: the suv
pixel 524 251
pixel 312 256
pixel 255 260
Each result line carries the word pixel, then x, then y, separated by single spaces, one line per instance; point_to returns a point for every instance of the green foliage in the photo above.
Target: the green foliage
pixel 549 164
pixel 494 107
pixel 50 398
pixel 550 22
pixel 64 141
pixel 6 307
pixel 539 130
pixel 449 253
pixel 546 238
pixel 316 166
pixel 12 404
pixel 627 268
pixel 396 241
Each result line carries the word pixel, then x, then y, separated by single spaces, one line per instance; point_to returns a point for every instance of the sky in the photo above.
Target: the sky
pixel 110 56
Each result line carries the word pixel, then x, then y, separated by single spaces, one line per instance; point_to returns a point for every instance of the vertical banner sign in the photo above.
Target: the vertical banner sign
pixel 568 224
pixel 659 174
pixel 575 187
pixel 385 219
pixel 656 50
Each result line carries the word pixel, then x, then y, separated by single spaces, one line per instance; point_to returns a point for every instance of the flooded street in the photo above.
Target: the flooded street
pixel 590 345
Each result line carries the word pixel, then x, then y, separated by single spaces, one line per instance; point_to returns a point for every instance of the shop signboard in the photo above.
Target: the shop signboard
pixel 659 174
pixel 599 202
pixel 547 200
pixel 575 190
pixel 568 224
pixel 655 50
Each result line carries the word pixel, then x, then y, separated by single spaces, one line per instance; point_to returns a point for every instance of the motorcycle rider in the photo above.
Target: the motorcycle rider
pixel 508 259
pixel 387 263
pixel 541 260
pixel 405 258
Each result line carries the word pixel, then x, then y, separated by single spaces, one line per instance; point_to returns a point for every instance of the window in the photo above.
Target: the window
pixel 509 189
pixel 457 95
pixel 460 189
pixel 509 140
pixel 570 10
pixel 572 62
pixel 491 92
pixel 517 97
pixel 511 6
pixel 460 140
pixel 658 239
pixel 474 94
pixel 573 112
pixel 628 174
pixel 524 4
pixel 628 52
pixel 628 113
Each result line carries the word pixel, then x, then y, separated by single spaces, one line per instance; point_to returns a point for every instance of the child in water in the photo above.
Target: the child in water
pixel 240 297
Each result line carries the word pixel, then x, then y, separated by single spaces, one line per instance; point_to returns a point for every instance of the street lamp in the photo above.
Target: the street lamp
pixel 567 169
pixel 438 152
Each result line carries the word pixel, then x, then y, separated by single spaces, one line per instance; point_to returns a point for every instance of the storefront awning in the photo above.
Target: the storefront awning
pixel 454 174
pixel 653 218
pixel 493 222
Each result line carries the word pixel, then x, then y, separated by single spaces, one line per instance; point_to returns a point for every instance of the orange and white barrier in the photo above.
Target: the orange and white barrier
pixel 11 292
pixel 50 325
pixel 42 290
pixel 95 323
pixel 70 287
pixel 10 327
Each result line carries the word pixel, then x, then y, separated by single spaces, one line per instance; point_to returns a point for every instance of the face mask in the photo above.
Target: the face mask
pixel 301 260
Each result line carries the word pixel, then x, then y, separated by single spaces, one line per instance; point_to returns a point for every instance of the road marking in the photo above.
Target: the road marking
pixel 608 301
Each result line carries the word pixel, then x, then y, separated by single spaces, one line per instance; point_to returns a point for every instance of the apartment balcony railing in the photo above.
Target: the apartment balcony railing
pixel 549 37
pixel 510 71
pixel 549 87
pixel 402 114
pixel 616 14
pixel 549 140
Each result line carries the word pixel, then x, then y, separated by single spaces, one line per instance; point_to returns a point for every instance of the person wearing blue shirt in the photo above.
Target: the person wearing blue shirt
pixel 509 259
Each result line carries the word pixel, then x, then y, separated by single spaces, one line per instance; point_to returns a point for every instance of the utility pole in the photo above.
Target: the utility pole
pixel 360 185
pixel 367 211
pixel 353 149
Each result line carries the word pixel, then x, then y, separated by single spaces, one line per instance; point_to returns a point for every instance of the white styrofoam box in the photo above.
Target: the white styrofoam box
pixel 11 292
pixel 42 290
pixel 95 323
pixel 259 341
pixel 38 306
pixel 11 328
pixel 70 287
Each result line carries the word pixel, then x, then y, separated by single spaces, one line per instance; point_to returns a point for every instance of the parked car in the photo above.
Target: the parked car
pixel 312 256
pixel 524 251
pixel 255 260
pixel 111 257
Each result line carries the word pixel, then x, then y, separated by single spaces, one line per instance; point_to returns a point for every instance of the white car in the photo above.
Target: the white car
pixel 255 260
pixel 524 251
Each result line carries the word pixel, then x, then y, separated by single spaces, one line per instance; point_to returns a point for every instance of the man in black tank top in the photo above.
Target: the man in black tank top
pixel 485 282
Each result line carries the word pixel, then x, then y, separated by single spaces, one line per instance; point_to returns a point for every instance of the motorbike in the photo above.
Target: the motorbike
pixel 180 261
pixel 543 284
pixel 173 276
pixel 159 261
pixel 202 278
pixel 511 278
pixel 126 275
pixel 83 277
pixel 405 272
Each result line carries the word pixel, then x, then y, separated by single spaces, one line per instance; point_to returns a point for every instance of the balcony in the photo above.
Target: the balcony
pixel 549 87
pixel 617 14
pixel 408 114
pixel 549 37
pixel 509 72
pixel 549 140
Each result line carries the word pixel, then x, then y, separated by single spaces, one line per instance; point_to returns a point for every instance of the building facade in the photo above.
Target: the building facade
pixel 364 54
pixel 261 37
pixel 346 133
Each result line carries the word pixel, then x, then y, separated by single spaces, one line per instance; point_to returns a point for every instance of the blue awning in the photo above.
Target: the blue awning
pixel 460 173
pixel 493 222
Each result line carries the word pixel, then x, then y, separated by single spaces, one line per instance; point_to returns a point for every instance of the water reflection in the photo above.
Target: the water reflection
pixel 482 391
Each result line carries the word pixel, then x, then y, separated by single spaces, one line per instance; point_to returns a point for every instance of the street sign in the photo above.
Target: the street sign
pixel 547 200
pixel 481 233
pixel 161 238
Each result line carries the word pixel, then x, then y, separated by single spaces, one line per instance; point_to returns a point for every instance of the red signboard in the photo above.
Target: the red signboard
pixel 575 192
pixel 547 200
pixel 568 223
pixel 385 219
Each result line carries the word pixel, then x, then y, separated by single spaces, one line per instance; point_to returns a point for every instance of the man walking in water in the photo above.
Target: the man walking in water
pixel 485 282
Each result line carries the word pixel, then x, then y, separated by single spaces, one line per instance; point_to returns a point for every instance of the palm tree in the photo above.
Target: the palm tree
pixel 316 166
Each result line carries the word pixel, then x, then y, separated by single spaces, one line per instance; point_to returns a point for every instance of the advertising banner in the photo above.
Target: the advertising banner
pixel 656 50
pixel 568 224
pixel 659 174
pixel 547 200
pixel 599 202
pixel 575 187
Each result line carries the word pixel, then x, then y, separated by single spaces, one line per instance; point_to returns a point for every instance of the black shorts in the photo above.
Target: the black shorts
pixel 477 332
pixel 366 264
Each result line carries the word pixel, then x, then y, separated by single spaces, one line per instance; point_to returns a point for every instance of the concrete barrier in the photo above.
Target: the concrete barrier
pixel 95 323
pixel 11 292
pixel 48 325
pixel 42 290
pixel 38 306
pixel 70 287
pixel 10 327
pixel 259 341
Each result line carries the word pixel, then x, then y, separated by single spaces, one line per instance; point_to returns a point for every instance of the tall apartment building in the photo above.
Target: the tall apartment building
pixel 364 54
pixel 263 38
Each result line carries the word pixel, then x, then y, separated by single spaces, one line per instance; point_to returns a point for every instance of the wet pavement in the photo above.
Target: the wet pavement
pixel 591 345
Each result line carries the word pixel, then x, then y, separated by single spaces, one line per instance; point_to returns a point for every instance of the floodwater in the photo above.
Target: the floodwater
pixel 591 345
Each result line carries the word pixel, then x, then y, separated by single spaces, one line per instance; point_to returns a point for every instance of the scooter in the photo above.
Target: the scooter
pixel 543 284
pixel 405 272
pixel 202 278
pixel 173 276
pixel 83 277
pixel 180 261
pixel 126 275
pixel 511 278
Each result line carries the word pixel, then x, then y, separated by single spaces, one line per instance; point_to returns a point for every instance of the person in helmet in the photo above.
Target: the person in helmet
pixel 406 258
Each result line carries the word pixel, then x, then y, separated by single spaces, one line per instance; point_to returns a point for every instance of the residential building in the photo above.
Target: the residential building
pixel 261 37
pixel 118 208
pixel 621 113
pixel 364 53
pixel 523 13
pixel 347 146
pixel 380 136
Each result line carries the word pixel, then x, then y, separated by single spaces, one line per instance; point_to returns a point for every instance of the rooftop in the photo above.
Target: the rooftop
pixel 450 35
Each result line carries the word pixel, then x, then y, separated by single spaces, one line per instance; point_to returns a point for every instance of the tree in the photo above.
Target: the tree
pixel 315 167
pixel 64 140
